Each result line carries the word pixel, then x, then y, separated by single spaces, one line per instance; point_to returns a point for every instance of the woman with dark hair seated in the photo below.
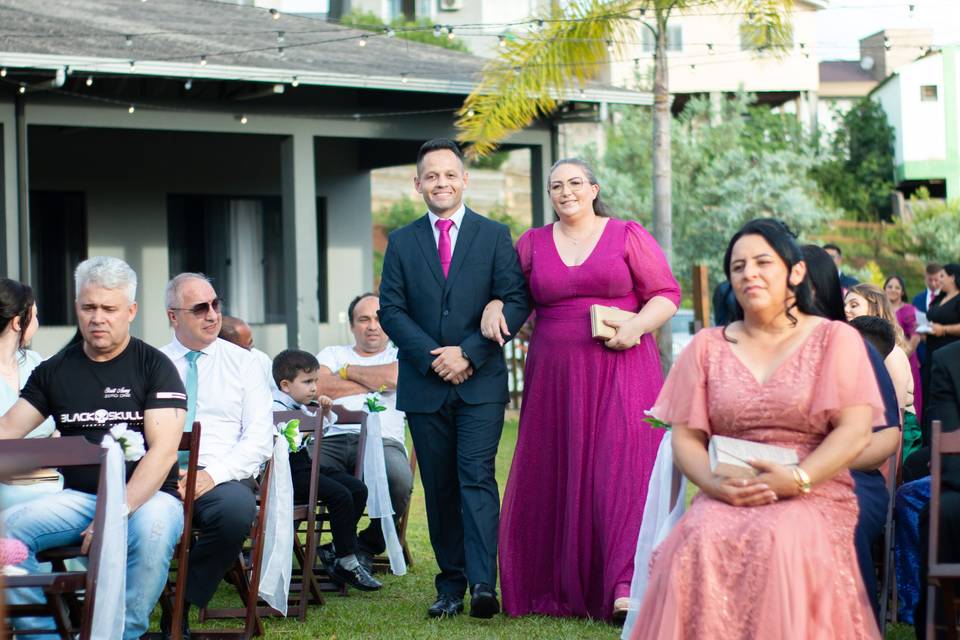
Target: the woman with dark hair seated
pixel 771 556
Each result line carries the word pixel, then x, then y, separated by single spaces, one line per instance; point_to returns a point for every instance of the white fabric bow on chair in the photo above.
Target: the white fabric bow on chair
pixel 278 531
pixel 110 608
pixel 378 491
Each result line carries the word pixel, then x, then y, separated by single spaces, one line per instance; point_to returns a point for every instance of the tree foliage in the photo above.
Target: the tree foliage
pixel 730 166
pixel 859 176
pixel 418 31
pixel 930 233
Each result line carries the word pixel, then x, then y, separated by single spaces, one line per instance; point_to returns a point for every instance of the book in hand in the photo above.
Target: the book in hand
pixel 729 456
pixel 598 313
pixel 923 325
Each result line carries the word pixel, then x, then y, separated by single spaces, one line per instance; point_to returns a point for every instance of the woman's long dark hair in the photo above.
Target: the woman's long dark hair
pixel 824 283
pixel 16 301
pixel 784 243
pixel 951 269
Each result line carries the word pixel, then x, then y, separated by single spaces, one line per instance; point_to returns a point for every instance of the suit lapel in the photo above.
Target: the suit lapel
pixel 428 245
pixel 466 234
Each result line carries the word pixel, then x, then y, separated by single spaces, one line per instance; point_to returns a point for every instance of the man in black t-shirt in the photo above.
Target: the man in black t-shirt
pixel 108 379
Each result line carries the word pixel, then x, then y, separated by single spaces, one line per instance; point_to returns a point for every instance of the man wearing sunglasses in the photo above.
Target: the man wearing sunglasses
pixel 228 394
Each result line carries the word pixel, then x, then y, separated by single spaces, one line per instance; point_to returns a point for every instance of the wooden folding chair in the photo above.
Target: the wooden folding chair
pixel 61 587
pixel 941 574
pixel 885 561
pixel 174 592
pixel 382 563
pixel 245 579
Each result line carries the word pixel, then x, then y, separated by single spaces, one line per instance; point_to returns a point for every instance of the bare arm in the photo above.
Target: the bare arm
pixel 19 420
pixel 162 429
pixel 651 317
pixel 841 447
pixel 329 383
pixel 882 445
pixel 374 377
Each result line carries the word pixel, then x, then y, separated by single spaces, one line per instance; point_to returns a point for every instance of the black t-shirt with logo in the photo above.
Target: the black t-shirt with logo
pixel 88 398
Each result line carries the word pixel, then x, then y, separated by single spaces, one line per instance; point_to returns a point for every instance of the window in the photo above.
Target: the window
pixel 238 242
pixel 58 243
pixel 928 93
pixel 674 39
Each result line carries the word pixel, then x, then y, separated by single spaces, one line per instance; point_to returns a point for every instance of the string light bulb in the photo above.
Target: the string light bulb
pixel 188 85
pixel 133 65
pixel 131 109
pixel 280 37
pixel 538 25
pixel 389 32
pixel 710 47
pixel 362 42
pixel 403 78
pixel 3 72
pixel 23 88
pixel 295 82
pixel 128 40
pixel 609 46
pixel 89 81
pixel 449 33
pixel 502 42
pixel 887 43
pixel 693 67
pixel 274 14
pixel 203 61
pixel 281 52
pixel 437 31
pixel 242 119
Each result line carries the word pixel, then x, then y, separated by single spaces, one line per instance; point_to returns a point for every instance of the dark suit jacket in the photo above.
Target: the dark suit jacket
pixel 421 310
pixel 942 402
pixel 847 281
pixel 920 301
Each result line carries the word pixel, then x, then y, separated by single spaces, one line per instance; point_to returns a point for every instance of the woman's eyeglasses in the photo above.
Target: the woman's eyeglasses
pixel 575 185
pixel 203 308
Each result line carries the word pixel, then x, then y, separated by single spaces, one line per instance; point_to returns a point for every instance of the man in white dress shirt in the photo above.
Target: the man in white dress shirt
pixel 347 374
pixel 227 392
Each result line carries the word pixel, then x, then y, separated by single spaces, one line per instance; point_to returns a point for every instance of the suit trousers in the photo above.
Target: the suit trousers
pixel 223 516
pixel 456 449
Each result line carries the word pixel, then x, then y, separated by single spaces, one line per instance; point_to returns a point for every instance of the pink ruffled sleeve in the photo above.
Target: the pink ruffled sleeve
pixel 846 378
pixel 525 252
pixel 683 397
pixel 648 266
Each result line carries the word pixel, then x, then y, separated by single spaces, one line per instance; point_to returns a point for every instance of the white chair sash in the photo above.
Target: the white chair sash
pixel 109 610
pixel 658 519
pixel 278 532
pixel 378 491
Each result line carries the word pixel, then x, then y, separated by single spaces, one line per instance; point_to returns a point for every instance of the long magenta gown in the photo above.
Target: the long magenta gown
pixel 574 499
pixel 907 317
pixel 782 571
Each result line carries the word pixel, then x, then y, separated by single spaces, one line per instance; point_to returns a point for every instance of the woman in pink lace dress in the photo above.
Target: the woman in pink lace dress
pixel 771 557
pixel 574 499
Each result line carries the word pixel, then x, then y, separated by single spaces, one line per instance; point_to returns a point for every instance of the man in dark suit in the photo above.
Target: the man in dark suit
pixel 932 277
pixel 942 403
pixel 837 255
pixel 438 275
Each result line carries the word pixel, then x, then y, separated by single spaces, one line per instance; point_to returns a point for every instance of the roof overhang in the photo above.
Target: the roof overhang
pixel 80 65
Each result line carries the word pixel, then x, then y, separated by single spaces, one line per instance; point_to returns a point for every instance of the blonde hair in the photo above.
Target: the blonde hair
pixel 879 305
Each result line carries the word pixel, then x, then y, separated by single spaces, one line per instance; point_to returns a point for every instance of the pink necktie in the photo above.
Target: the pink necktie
pixel 443 246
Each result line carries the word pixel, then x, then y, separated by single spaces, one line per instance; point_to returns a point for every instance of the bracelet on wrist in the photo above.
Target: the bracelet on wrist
pixel 803 480
pixel 343 372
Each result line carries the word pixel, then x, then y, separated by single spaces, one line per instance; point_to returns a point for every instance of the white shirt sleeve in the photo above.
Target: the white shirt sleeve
pixel 255 445
pixel 328 357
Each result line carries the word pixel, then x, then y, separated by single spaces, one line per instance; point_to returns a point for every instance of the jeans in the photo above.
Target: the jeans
pixel 57 520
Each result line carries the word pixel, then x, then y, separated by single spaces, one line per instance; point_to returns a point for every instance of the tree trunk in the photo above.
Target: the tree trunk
pixel 662 169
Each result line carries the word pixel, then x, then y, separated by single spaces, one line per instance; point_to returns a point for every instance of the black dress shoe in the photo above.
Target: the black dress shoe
pixel 366 560
pixel 446 605
pixel 484 603
pixel 166 624
pixel 358 577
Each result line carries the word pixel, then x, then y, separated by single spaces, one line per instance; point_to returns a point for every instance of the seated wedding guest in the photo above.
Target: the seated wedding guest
pixel 943 403
pixel 295 373
pixel 18 324
pixel 868 300
pixel 238 332
pixel 228 394
pixel 770 556
pixel 109 378
pixel 347 374
pixel 868 468
pixel 896 291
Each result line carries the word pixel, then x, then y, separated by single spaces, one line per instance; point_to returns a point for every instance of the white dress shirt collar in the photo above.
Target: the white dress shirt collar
pixel 282 398
pixel 176 349
pixel 456 217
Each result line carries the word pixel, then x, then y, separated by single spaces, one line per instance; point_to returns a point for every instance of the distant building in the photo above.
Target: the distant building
pixel 923 107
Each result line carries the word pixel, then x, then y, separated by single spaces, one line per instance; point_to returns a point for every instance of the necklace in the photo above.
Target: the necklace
pixel 574 240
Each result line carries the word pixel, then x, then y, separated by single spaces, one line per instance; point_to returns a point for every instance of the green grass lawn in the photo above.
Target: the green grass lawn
pixel 399 609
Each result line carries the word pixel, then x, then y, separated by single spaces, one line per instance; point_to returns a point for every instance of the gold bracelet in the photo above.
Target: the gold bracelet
pixel 802 478
pixel 343 372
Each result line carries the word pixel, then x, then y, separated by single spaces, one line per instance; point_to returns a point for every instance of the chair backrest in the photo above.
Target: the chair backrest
pixel 190 442
pixel 309 425
pixel 943 444
pixel 71 451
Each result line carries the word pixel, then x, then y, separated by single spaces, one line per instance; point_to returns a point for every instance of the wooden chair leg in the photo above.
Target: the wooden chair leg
pixel 949 609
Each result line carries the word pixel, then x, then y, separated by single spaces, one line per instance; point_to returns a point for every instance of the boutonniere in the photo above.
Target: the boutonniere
pixel 374 403
pixel 655 422
pixel 130 441
pixel 291 431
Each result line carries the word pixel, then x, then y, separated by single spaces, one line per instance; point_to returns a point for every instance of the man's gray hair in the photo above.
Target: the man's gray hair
pixel 171 295
pixel 106 272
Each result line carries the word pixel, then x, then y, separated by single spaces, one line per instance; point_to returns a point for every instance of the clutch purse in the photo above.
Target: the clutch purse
pixel 599 313
pixel 729 456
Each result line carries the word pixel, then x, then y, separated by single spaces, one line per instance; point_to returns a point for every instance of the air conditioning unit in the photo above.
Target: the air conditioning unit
pixel 450 5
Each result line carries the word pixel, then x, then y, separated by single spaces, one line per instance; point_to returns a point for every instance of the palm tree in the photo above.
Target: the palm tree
pixel 568 48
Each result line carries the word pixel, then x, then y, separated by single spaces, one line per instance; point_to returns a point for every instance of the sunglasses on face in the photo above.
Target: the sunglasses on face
pixel 203 308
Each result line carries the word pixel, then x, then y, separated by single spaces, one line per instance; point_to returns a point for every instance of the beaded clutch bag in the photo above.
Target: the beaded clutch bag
pixel 729 456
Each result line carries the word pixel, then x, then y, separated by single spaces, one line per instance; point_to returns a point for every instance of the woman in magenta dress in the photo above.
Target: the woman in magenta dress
pixel 771 557
pixel 906 313
pixel 574 499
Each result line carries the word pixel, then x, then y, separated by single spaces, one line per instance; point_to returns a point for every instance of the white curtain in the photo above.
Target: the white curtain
pixel 245 273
